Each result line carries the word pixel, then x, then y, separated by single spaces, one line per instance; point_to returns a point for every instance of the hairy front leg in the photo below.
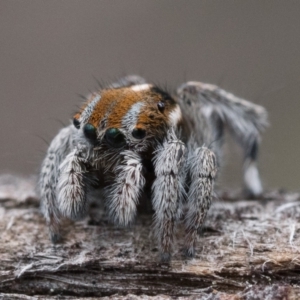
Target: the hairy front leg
pixel 48 178
pixel 72 184
pixel 202 172
pixel 124 194
pixel 168 189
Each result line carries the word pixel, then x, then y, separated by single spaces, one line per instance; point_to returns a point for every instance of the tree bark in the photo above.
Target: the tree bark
pixel 248 249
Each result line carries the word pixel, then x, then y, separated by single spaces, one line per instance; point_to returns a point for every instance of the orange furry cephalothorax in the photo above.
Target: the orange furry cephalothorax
pixel 115 104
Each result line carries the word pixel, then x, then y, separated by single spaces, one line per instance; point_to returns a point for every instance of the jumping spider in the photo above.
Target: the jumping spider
pixel 132 138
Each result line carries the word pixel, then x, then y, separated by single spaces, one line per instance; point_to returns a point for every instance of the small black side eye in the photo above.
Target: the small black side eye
pixel 161 106
pixel 89 131
pixel 138 133
pixel 76 123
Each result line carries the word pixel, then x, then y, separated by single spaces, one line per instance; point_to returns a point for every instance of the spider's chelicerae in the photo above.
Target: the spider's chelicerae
pixel 133 139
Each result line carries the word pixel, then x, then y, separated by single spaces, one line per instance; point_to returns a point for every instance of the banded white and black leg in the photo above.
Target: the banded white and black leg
pixel 58 149
pixel 72 184
pixel 202 168
pixel 253 185
pixel 124 194
pixel 168 190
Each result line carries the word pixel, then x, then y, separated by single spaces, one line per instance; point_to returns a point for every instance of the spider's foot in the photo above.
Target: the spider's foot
pixel 250 195
pixel 189 252
pixel 55 237
pixel 165 257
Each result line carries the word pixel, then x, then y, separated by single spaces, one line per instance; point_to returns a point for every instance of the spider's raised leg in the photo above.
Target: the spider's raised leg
pixel 168 188
pixel 244 119
pixel 124 193
pixel 202 170
pixel 58 150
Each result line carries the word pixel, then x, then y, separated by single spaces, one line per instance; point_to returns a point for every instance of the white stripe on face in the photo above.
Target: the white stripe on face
pixel 130 119
pixel 175 116
pixel 141 87
pixel 89 109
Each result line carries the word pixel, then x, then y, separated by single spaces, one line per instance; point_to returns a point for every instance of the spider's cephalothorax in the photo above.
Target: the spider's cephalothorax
pixel 132 136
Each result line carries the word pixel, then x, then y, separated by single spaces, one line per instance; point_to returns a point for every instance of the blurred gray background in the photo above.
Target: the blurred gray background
pixel 51 51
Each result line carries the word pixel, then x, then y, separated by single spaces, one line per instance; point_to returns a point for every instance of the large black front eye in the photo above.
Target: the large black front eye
pixel 76 123
pixel 138 133
pixel 90 132
pixel 115 137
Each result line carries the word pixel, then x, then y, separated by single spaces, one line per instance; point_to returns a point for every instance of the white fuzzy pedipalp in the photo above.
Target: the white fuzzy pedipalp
pixel 71 190
pixel 123 196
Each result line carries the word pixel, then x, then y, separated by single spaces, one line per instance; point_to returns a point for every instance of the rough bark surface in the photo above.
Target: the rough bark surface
pixel 247 250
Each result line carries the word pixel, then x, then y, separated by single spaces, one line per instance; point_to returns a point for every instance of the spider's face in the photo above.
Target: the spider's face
pixel 127 118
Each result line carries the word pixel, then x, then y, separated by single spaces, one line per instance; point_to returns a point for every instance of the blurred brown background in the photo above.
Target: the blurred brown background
pixel 50 51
